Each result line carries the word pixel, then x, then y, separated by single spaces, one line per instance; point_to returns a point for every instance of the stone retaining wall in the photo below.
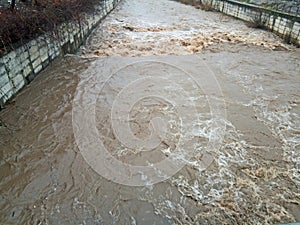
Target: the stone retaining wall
pixel 19 67
pixel 285 25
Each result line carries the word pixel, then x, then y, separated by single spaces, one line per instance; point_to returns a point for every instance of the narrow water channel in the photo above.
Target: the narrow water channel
pixel 254 177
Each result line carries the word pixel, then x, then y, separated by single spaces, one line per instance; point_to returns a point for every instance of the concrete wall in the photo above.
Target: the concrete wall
pixel 285 25
pixel 19 67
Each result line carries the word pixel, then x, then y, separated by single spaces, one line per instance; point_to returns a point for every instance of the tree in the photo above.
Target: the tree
pixel 13 4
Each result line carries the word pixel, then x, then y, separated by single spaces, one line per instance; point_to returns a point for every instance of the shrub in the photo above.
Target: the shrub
pixel 27 21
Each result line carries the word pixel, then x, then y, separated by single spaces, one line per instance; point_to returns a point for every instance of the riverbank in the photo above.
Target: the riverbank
pixel 21 65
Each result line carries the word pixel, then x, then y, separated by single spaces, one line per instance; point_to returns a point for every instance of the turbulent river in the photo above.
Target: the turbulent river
pixel 171 66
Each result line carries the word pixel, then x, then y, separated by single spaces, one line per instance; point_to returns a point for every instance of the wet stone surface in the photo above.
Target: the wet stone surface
pixel 254 177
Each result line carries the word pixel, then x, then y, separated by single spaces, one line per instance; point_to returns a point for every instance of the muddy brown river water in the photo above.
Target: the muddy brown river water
pixel 154 48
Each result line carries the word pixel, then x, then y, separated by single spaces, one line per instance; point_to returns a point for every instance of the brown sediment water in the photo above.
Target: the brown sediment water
pixel 254 178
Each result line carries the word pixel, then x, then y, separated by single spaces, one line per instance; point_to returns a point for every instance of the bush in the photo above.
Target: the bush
pixel 26 22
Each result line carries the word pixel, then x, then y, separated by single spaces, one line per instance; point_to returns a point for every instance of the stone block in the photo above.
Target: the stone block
pixel 45 63
pixel 51 51
pixel 6 88
pixel 33 47
pixel 25 63
pixel 36 63
pixel 2 68
pixel 55 54
pixel 11 56
pixel 4 79
pixel 32 43
pixel 43 50
pixel 38 69
pixel 44 57
pixel 27 71
pixel 34 55
pixel 17 79
pixel 19 86
pixel 15 69
pixel 10 66
pixel 24 56
pixel 296 28
pixel 5 96
pixel 277 22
